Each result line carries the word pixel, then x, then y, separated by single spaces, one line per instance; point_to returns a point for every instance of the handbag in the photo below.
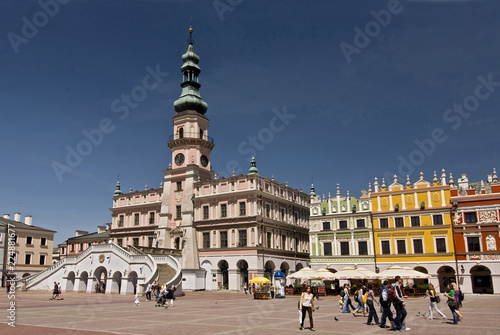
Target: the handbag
pixel 438 299
pixel 453 304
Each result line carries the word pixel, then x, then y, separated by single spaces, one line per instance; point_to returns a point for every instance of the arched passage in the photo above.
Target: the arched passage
pixel 132 282
pixel 481 280
pixel 223 276
pixel 424 281
pixel 100 275
pixel 116 283
pixel 243 271
pixel 207 265
pixel 446 275
pixel 269 270
pixel 82 286
pixel 285 268
pixel 70 281
pixel 298 266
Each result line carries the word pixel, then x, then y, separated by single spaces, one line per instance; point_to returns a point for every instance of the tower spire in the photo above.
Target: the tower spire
pixel 190 98
pixel 253 168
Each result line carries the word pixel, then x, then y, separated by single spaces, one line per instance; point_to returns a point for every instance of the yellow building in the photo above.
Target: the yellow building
pixel 412 227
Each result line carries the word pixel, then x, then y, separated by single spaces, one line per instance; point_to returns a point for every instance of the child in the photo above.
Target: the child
pixel 136 301
pixel 341 304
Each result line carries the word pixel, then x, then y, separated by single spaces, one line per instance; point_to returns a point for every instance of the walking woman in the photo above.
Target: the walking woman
pixel 434 301
pixel 306 304
pixel 451 302
pixel 372 313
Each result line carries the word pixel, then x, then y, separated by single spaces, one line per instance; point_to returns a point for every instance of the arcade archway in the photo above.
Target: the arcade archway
pixel 481 280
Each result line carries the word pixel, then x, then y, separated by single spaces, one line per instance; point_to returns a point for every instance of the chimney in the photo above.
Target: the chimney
pixel 101 229
pixel 81 233
pixel 28 219
pixel 6 216
pixel 17 216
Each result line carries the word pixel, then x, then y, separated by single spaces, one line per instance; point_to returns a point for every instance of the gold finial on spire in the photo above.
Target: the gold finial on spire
pixel 190 40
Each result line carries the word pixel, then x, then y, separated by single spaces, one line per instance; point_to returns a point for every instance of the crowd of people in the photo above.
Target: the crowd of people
pixel 391 299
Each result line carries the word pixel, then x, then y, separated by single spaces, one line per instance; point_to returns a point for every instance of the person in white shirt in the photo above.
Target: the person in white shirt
pixel 306 304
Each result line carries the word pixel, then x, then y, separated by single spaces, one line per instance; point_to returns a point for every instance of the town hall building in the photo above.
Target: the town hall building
pixel 228 230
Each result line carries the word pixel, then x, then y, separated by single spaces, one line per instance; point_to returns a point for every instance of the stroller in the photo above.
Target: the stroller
pixel 161 300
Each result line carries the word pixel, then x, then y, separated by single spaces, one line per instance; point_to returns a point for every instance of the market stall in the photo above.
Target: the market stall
pixel 261 288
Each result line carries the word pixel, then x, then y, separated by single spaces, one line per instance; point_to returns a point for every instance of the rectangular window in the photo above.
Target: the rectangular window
pixel 151 217
pixel 81 246
pixel 282 214
pixel 440 244
pixel 418 247
pixel 470 217
pixel 223 210
pixel 269 240
pixel 223 239
pixel 43 241
pixel 135 241
pixel 326 225
pixel 72 248
pixel 437 220
pixel 27 259
pixel 243 208
pixel 206 240
pixel 363 247
pixel 42 259
pixel 179 186
pixel 384 223
pixel 342 224
pixel 150 242
pixel 242 238
pixel 120 220
pixel 29 240
pixel 386 247
pixel 401 244
pixel 119 241
pixel 360 223
pixel 415 221
pixel 268 210
pixel 327 248
pixel 178 212
pixel 205 212
pixel 136 219
pixel 283 242
pixel 295 218
pixel 399 222
pixel 473 243
pixel 344 248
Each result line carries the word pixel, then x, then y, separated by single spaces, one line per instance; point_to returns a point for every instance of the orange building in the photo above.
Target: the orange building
pixel 476 220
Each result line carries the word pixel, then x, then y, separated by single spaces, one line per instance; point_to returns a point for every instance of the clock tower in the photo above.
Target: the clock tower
pixel 190 148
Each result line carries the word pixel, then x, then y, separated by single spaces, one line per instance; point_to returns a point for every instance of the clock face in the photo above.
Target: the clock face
pixel 179 159
pixel 204 160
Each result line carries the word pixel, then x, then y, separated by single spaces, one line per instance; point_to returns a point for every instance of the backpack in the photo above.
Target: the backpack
pixel 383 295
pixel 365 297
pixel 392 295
pixel 460 295
pixel 342 293
pixel 356 296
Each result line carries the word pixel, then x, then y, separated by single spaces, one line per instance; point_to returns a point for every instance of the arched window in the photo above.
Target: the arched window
pixel 201 133
pixel 181 132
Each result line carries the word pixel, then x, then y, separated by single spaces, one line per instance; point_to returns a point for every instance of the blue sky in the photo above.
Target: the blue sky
pixel 338 91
